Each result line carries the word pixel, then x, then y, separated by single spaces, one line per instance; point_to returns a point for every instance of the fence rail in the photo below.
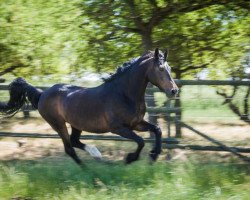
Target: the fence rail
pixel 84 137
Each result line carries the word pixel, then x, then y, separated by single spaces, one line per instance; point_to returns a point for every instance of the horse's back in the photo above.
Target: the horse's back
pixel 51 99
pixel 57 91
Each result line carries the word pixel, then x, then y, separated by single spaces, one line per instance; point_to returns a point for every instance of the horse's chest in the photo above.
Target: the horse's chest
pixel 138 114
pixel 127 113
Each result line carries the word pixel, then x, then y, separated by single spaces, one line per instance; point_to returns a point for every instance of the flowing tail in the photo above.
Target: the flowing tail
pixel 19 91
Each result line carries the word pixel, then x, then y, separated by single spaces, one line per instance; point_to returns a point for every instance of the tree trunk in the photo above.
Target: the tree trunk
pixel 147 43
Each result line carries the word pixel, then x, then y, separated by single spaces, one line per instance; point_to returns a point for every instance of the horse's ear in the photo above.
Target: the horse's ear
pixel 166 54
pixel 156 53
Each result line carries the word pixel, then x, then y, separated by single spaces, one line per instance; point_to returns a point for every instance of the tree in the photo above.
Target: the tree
pixel 199 34
pixel 10 61
pixel 40 36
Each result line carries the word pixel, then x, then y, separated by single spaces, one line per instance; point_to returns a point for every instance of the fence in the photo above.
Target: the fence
pixel 170 113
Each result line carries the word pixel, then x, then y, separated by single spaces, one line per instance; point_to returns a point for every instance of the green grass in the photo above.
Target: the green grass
pixel 63 179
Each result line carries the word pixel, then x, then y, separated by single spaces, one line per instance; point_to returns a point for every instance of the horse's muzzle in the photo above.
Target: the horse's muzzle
pixel 171 93
pixel 174 91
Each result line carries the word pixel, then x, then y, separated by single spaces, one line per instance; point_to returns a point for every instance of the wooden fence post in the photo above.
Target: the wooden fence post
pixel 168 117
pixel 178 115
pixel 151 103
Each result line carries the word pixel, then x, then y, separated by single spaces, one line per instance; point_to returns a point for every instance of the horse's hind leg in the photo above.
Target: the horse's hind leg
pixel 61 129
pixel 75 138
pixel 75 142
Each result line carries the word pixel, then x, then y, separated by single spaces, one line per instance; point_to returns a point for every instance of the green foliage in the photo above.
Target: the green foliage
pixel 40 37
pixel 64 37
pixel 212 35
pixel 62 179
pixel 103 30
pixel 212 38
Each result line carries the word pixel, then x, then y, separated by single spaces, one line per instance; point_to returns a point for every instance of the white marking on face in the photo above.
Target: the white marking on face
pixel 167 66
pixel 93 151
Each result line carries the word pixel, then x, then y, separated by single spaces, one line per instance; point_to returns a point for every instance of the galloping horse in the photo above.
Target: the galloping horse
pixel 116 106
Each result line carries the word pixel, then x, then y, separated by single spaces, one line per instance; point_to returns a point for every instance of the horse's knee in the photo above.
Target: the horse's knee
pixel 158 131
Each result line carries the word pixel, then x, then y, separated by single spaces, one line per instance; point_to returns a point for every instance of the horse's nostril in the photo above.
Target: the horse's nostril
pixel 174 91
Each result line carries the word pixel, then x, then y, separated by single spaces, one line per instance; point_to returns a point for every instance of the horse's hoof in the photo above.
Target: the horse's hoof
pixel 131 157
pixel 153 156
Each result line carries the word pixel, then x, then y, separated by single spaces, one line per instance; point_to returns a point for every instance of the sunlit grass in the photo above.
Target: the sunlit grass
pixel 63 179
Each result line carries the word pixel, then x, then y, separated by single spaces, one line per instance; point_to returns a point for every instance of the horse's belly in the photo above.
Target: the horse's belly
pixel 94 126
pixel 88 121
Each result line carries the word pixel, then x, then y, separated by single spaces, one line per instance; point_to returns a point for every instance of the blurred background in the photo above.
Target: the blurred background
pixel 60 40
pixel 81 41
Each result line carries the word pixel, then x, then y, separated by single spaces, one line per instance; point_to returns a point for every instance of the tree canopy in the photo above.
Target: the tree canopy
pixel 60 37
pixel 40 37
pixel 198 34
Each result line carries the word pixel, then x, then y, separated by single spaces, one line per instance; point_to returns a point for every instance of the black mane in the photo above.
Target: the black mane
pixel 122 69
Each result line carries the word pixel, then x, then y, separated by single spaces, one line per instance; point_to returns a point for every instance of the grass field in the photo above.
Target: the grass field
pixel 62 179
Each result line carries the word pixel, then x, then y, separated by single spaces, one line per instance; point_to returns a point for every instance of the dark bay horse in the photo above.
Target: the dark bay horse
pixel 116 106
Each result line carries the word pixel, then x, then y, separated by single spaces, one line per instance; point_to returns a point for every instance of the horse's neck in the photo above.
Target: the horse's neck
pixel 135 83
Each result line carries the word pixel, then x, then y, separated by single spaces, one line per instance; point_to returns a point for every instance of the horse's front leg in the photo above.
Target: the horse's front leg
pixel 128 133
pixel 146 126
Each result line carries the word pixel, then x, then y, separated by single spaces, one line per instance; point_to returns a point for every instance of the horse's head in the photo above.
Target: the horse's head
pixel 159 74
